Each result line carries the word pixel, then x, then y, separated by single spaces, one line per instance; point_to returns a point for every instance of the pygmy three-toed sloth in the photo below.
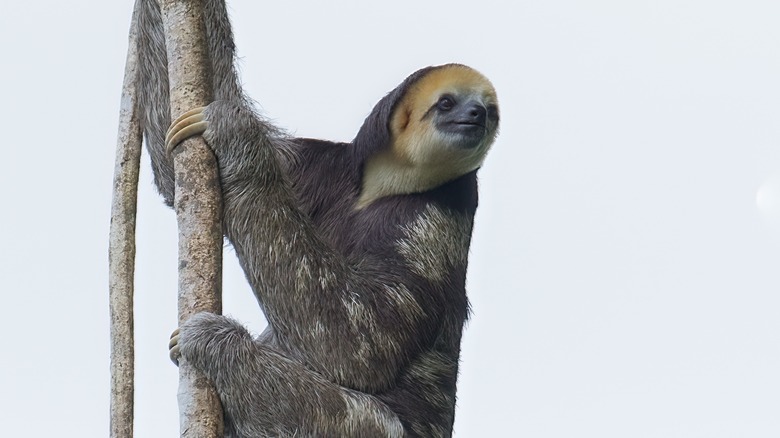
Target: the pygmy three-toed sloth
pixel 356 251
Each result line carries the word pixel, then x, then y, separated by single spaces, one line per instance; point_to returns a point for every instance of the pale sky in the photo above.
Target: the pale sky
pixel 625 267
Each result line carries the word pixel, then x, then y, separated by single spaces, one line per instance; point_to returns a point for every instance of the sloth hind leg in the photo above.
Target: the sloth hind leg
pixel 266 393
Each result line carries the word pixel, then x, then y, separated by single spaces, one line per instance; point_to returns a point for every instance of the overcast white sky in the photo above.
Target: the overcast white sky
pixel 625 270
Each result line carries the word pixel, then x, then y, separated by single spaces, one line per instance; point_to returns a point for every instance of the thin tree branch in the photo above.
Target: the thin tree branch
pixel 198 205
pixel 121 253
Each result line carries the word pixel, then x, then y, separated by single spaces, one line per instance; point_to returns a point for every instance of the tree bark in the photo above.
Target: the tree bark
pixel 121 252
pixel 198 205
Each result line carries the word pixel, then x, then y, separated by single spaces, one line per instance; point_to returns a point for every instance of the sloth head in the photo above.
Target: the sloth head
pixel 435 127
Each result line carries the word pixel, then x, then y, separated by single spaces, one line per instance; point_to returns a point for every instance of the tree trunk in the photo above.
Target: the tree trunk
pixel 198 205
pixel 121 252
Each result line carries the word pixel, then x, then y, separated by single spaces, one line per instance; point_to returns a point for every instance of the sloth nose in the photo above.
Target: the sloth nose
pixel 477 114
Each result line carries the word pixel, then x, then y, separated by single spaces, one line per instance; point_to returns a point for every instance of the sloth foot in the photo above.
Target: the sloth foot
pixel 173 347
pixel 185 126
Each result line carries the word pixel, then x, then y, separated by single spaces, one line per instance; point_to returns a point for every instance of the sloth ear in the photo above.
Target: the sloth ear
pixel 402 118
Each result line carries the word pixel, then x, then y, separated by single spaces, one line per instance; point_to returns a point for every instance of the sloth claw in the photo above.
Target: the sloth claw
pixel 173 346
pixel 185 126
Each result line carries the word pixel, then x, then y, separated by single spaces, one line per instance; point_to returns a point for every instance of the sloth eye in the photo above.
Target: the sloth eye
pixel 445 103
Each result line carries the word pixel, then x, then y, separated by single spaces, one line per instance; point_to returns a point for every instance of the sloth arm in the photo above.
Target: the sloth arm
pixel 357 329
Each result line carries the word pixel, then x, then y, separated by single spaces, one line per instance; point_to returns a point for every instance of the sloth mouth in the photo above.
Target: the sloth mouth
pixel 467 130
pixel 466 127
pixel 466 134
pixel 468 124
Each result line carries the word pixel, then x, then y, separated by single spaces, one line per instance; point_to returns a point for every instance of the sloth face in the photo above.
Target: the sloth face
pixel 464 122
pixel 448 118
pixel 467 119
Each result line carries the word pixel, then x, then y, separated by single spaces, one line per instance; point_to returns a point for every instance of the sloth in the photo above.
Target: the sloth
pixel 356 252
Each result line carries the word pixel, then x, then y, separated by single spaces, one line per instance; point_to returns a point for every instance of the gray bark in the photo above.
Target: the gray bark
pixel 121 254
pixel 198 206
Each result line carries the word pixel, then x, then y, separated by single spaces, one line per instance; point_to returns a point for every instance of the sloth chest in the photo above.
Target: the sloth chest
pixel 436 243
